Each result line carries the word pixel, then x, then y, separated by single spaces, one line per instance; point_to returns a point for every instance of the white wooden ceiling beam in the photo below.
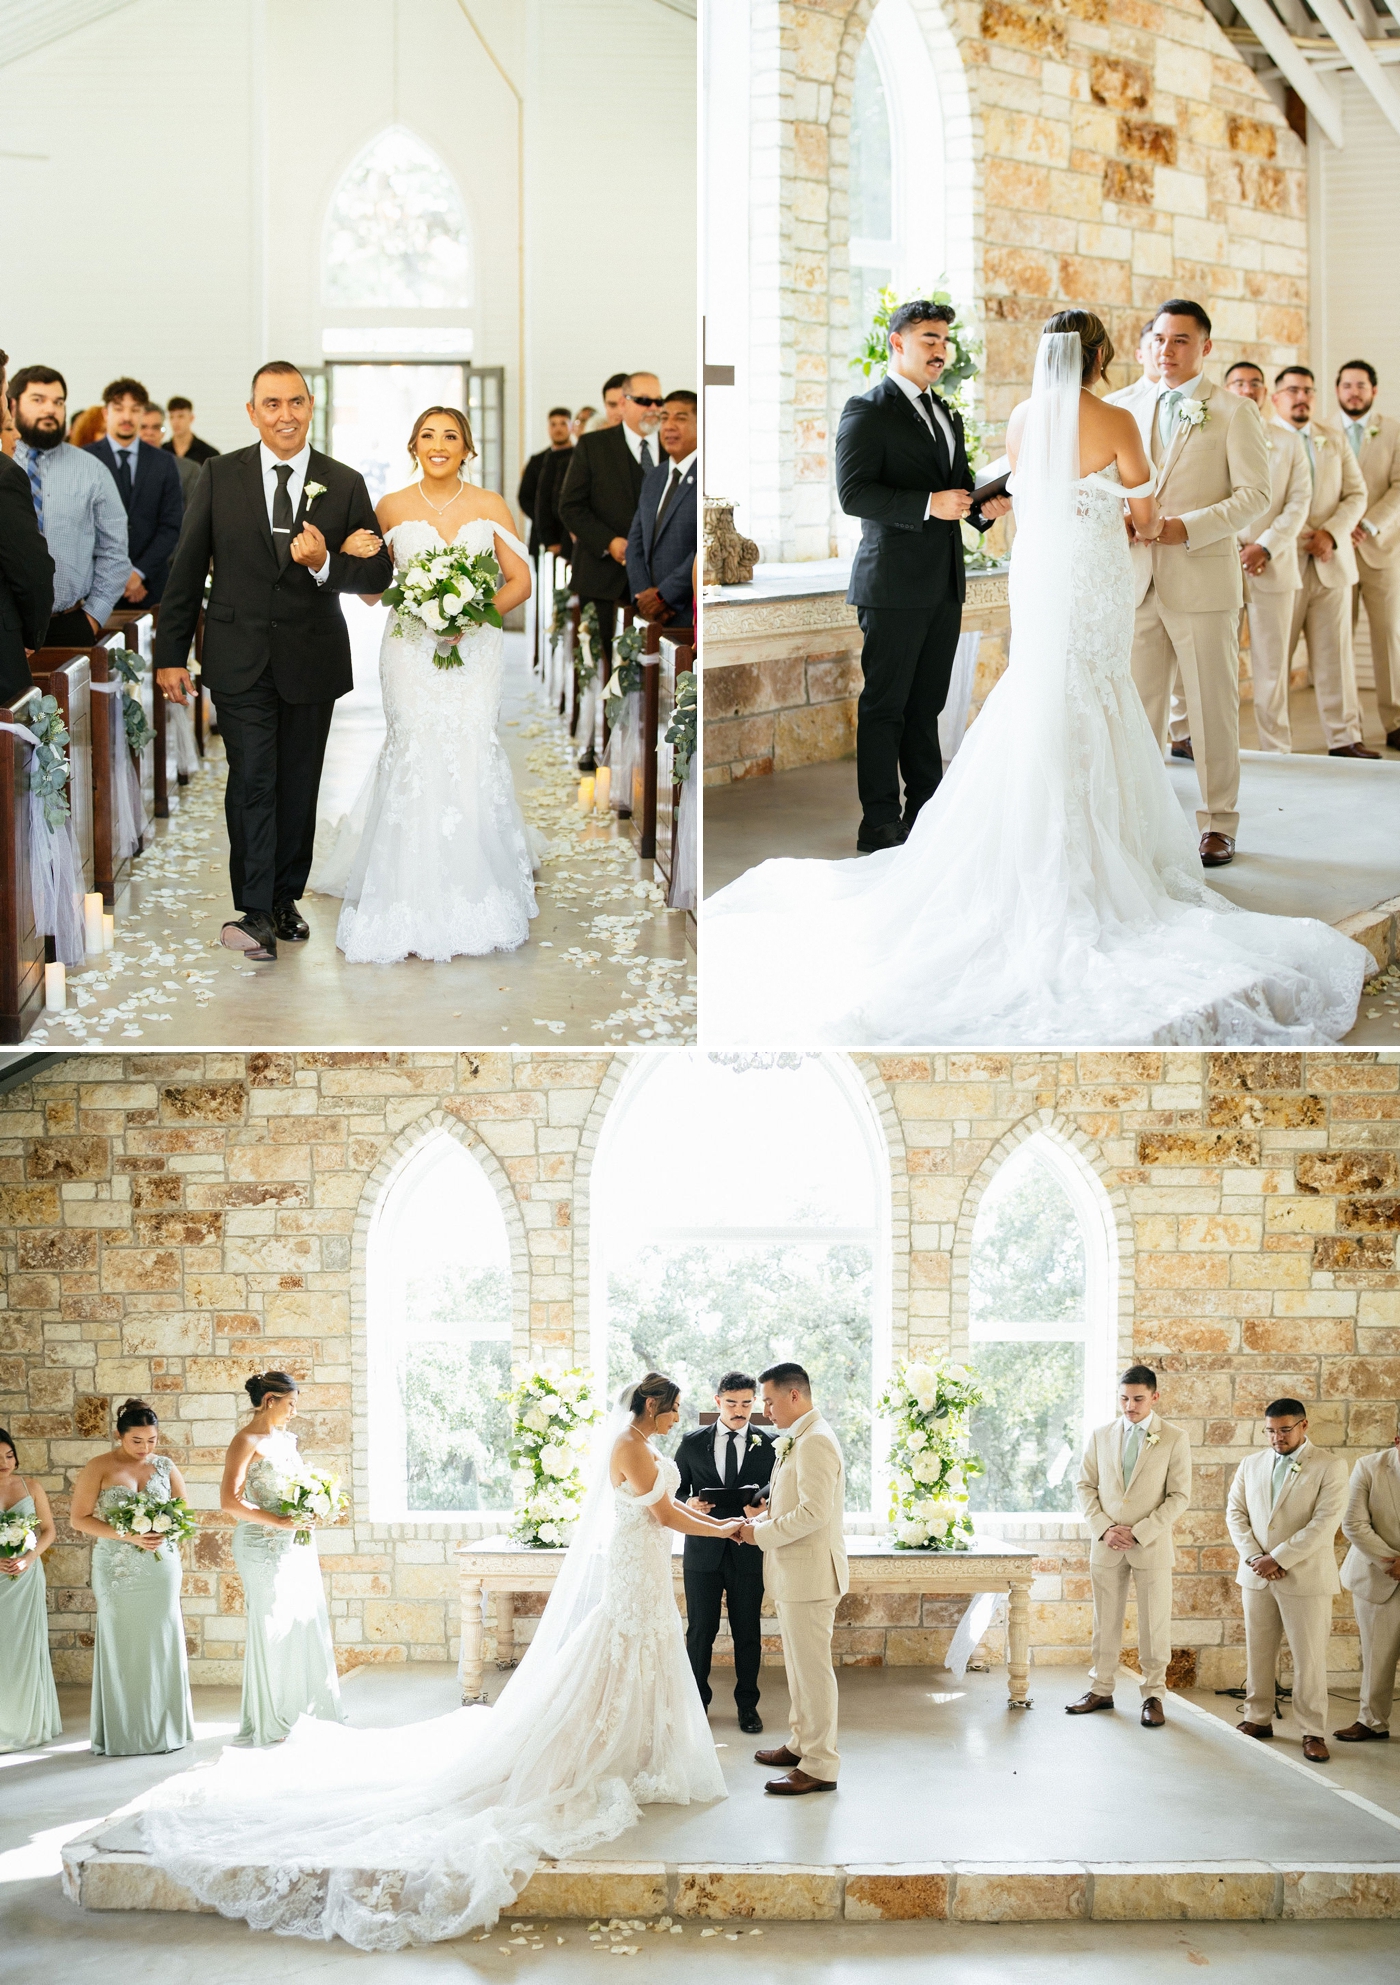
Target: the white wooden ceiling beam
pixel 1294 67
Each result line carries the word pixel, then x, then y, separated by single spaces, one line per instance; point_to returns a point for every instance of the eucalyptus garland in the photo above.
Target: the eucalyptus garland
pixel 559 619
pixel 138 731
pixel 681 732
pixel 48 769
pixel 628 650
pixel 586 655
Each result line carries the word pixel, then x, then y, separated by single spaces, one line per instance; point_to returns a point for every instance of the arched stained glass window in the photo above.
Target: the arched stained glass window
pixel 396 233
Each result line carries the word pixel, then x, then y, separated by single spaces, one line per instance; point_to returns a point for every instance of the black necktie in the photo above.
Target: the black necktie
pixel 124 476
pixel 926 400
pixel 672 486
pixel 647 462
pixel 282 513
pixel 731 1460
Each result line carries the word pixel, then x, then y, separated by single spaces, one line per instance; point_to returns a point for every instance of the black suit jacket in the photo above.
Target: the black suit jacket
pixel 260 612
pixel 665 558
pixel 198 451
pixel 887 466
pixel 26 581
pixel 153 514
pixel 598 504
pixel 695 1457
pixel 536 498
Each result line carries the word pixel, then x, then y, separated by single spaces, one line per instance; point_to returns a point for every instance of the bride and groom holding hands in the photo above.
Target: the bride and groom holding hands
pixel 434 859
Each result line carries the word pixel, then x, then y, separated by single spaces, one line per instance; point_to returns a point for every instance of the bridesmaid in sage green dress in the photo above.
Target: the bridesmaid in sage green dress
pixel 289 1658
pixel 28 1699
pixel 140 1677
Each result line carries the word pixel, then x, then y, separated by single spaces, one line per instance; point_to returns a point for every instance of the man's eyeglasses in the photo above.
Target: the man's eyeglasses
pixel 641 400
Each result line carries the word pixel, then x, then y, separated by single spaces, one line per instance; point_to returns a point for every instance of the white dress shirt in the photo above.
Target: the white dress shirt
pixel 914 395
pixel 676 476
pixel 741 1448
pixel 1189 389
pixel 296 482
pixel 634 442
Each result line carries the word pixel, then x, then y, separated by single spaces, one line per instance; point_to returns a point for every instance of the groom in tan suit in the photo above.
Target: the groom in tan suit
pixel 1212 463
pixel 804 1569
pixel 1134 1483
pixel 1371 1574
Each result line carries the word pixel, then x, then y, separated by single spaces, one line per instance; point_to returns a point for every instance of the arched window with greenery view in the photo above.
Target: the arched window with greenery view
pixel 439 1338
pixel 1041 1326
pixel 396 231
pixel 740 1216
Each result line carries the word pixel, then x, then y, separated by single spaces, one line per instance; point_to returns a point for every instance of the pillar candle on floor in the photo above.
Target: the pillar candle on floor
pixel 602 789
pixel 109 931
pixel 55 989
pixel 92 921
pixel 585 795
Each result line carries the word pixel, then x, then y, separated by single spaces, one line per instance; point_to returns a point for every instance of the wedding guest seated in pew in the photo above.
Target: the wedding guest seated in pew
pixel 148 484
pixel 661 543
pixel 26 576
pixel 77 507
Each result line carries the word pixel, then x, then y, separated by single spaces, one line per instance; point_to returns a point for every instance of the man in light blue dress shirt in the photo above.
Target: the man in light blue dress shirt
pixel 79 511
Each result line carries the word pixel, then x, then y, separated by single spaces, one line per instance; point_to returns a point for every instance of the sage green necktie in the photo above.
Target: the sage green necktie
pixel 1312 456
pixel 1166 413
pixel 1354 434
pixel 1131 1448
pixel 1282 1464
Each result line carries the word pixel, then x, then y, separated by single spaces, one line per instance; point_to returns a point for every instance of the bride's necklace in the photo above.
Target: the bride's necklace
pixel 440 507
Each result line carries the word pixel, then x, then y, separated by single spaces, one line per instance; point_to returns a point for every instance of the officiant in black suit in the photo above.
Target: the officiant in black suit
pixel 901 467
pixel 271 518
pixel 729 1454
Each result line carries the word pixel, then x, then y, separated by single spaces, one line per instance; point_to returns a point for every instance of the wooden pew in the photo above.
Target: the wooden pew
pixel 136 625
pixel 21 946
pixel 109 872
pixel 654 723
pixel 68 683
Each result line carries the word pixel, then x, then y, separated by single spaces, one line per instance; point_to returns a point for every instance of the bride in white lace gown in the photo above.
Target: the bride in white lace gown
pixel 1050 892
pixel 434 859
pixel 418 1834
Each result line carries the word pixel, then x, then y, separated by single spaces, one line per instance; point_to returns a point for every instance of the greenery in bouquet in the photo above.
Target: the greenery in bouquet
pixel 681 732
pixel 48 768
pixel 552 1413
pixel 449 592
pixel 927 1405
pixel 17 1534
pixel 140 1514
pixel 626 677
pixel 587 649
pixel 316 1497
pixel 138 731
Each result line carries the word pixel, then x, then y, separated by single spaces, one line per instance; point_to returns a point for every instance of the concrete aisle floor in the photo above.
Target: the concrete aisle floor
pixel 605 961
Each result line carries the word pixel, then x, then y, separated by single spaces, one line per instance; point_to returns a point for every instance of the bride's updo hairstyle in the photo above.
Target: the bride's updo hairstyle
pixel 1092 333
pixel 655 1386
pixel 263 1383
pixel 452 413
pixel 135 1413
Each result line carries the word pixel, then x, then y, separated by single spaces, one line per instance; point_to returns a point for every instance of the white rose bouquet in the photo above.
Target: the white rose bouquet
pixel 140 1514
pixel 17 1534
pixel 928 1404
pixel 449 592
pixel 552 1415
pixel 316 1497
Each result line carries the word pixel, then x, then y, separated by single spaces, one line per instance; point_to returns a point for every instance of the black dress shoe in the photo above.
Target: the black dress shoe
pixel 871 840
pixel 1350 751
pixel 253 934
pixel 750 1722
pixel 1182 749
pixel 288 922
pixel 1392 740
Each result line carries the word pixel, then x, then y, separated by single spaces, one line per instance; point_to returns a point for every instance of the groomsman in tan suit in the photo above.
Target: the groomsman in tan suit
pixel 1269 558
pixel 1213 480
pixel 1134 1482
pixel 801 1536
pixel 1371 1574
pixel 1326 562
pixel 1283 1510
pixel 1374 439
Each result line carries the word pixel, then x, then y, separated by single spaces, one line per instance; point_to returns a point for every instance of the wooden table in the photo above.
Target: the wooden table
pixel 501 1568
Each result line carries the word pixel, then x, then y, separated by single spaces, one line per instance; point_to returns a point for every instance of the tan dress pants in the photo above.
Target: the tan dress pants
pixel 1268 1616
pixel 805 1625
pixel 1152 1590
pixel 1323 614
pixel 1379 592
pixel 1206 649
pixel 1271 652
pixel 1379 1627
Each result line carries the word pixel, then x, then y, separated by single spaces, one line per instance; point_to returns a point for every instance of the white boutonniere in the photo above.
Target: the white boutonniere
pixel 1192 413
pixel 312 491
pixel 1151 1440
pixel 1319 441
pixel 755 1440
pixel 1372 433
pixel 1296 1469
pixel 782 1448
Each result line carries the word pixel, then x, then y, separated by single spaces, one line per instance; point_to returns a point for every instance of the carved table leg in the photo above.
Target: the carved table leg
pixel 471 1676
pixel 505 1629
pixel 1018 1637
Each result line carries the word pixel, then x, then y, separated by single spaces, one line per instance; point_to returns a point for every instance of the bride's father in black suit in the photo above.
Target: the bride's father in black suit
pixel 726 1455
pixel 276 646
pixel 901 467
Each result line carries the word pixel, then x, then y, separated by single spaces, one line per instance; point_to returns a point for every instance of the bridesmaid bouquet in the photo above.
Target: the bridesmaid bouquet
pixel 448 592
pixel 317 1497
pixel 140 1514
pixel 17 1535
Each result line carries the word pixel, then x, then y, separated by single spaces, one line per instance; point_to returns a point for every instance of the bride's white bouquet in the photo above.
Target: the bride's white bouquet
pixel 551 1413
pixel 17 1535
pixel 928 1405
pixel 449 592
pixel 317 1497
pixel 140 1514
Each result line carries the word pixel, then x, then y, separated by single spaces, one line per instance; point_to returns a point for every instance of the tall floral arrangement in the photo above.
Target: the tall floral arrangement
pixel 927 1406
pixel 551 1415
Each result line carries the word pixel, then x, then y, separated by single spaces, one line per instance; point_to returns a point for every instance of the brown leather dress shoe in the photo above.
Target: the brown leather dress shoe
pixel 1181 748
pixel 1361 1733
pixel 1087 1704
pixel 782 1756
pixel 1216 850
pixel 793 1784
pixel 1153 1716
pixel 1263 1731
pixel 1315 1751
pixel 1350 751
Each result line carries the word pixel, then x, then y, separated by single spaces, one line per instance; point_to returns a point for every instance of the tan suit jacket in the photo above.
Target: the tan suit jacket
pixel 1290 496
pixel 1371 1526
pixel 803 1539
pixel 1215 477
pixel 1380 471
pixel 1338 505
pixel 1159 1493
pixel 1298 1531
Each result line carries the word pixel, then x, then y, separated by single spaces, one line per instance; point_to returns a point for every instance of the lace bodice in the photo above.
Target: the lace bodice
pixel 271 1468
pixel 157 1487
pixel 637 1585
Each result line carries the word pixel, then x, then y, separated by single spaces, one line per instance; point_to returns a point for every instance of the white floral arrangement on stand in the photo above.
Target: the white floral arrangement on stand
pixel 552 1417
pixel 928 1405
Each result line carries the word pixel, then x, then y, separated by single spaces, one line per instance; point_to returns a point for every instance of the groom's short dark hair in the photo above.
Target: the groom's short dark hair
pixel 736 1382
pixel 920 311
pixel 1182 306
pixel 789 1374
pixel 276 365
pixel 1140 1375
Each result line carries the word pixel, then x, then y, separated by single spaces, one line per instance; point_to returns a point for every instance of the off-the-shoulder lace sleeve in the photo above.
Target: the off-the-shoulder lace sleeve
pixel 509 538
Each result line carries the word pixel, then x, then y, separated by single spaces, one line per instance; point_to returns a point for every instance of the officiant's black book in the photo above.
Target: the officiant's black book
pixel 733 1502
pixel 986 492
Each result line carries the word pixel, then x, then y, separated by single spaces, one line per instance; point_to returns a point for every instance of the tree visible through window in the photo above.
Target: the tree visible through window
pixel 396 234
pixel 873 251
